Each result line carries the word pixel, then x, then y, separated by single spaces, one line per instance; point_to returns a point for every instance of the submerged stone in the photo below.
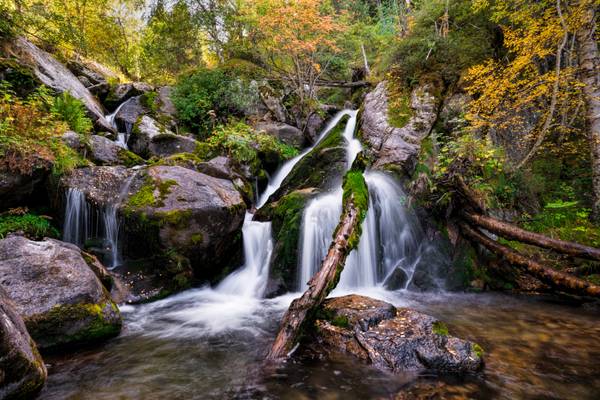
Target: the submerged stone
pixel 57 294
pixel 393 339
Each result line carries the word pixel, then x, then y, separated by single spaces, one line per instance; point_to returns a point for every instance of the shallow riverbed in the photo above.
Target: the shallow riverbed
pixel 205 345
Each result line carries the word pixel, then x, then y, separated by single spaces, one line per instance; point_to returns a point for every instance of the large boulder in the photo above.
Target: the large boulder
pixel 60 298
pixel 288 134
pixel 129 113
pixel 392 145
pixel 322 168
pixel 196 215
pixel 56 76
pixel 22 370
pixel 393 339
pixel 121 92
pixel 149 138
pixel 104 151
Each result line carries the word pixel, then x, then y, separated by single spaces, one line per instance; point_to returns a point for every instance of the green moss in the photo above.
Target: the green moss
pixel 152 193
pixel 175 218
pixel 326 314
pixel 35 227
pixel 477 349
pixel 129 159
pixel 196 238
pixel 94 322
pixel 399 111
pixel 356 190
pixel 149 100
pixel 439 328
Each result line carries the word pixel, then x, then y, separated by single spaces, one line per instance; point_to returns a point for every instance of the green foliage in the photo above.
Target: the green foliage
pixel 35 227
pixel 477 349
pixel 31 135
pixel 245 146
pixel 211 96
pixel 440 328
pixel 470 40
pixel 73 112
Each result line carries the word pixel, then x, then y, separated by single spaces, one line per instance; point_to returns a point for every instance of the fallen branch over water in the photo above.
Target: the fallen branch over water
pixel 511 231
pixel 556 279
pixel 346 237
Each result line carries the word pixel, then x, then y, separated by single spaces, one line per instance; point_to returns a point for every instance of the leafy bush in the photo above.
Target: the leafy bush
pixel 72 111
pixel 245 146
pixel 31 135
pixel 209 96
pixel 35 227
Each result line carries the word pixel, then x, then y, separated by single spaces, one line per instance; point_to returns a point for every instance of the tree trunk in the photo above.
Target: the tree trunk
pixel 589 62
pixel 511 231
pixel 302 310
pixel 557 280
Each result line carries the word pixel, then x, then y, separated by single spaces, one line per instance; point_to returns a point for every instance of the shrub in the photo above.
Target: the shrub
pixel 72 111
pixel 208 96
pixel 35 227
pixel 31 135
pixel 245 146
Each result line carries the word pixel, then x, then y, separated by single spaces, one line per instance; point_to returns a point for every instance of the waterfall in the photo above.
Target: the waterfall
pixel 121 136
pixel 250 280
pixel 84 221
pixel 77 217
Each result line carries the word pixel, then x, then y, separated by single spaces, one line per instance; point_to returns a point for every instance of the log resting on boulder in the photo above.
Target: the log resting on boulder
pixel 22 370
pixel 60 298
pixel 346 237
pixel 392 339
pixel 392 145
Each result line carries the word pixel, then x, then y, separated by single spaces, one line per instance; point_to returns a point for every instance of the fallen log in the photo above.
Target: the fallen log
pixel 555 279
pixel 346 237
pixel 513 232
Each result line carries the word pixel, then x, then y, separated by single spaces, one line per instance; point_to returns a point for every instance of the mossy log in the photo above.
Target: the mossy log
pixel 555 279
pixel 513 232
pixel 302 310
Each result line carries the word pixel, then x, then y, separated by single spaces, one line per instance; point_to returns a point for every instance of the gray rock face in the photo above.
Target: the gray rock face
pixel 393 339
pixel 106 152
pixel 166 106
pixel 57 294
pixel 101 185
pixel 286 133
pixel 16 188
pixel 124 91
pixel 128 114
pixel 55 75
pixel 148 138
pixel 22 370
pixel 218 167
pixel 399 146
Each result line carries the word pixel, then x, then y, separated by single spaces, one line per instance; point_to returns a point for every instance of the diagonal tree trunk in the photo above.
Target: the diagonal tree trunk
pixel 589 64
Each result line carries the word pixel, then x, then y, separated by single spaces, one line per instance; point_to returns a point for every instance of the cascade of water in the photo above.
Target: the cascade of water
pixel 121 136
pixel 77 217
pixel 250 281
pixel 112 226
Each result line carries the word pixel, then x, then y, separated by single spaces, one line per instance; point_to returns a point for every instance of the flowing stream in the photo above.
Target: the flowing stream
pixel 209 343
pixel 122 136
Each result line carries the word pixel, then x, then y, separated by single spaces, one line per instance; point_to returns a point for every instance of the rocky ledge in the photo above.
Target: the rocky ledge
pixel 393 339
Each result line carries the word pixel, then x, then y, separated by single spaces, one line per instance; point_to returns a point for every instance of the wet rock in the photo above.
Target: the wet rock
pixel 166 106
pixel 104 151
pixel 393 339
pixel 286 218
pixel 396 280
pixel 286 133
pixel 59 297
pixel 397 146
pixel 124 91
pixel 322 168
pixel 22 370
pixel 101 185
pixel 129 113
pixel 56 76
pixel 16 188
pixel 149 138
pixel 73 140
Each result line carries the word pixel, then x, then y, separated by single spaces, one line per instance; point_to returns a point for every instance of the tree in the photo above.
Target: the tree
pixel 295 38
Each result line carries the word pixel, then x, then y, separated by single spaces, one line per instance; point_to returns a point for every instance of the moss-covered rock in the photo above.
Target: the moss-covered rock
pixel 22 369
pixel 60 298
pixel 286 216
pixel 322 168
